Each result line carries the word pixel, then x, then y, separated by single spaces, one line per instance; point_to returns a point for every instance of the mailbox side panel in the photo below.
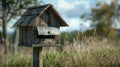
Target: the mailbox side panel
pixel 25 36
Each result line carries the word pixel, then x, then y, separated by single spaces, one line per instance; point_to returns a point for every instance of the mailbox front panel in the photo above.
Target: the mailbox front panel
pixel 48 31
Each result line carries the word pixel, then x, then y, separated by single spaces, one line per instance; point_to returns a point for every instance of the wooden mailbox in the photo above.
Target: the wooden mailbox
pixel 39 26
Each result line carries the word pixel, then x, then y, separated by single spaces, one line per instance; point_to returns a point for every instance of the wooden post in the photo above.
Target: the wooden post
pixel 37 57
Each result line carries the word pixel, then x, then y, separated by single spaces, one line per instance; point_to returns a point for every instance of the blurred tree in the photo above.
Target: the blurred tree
pixel 71 36
pixel 65 36
pixel 103 16
pixel 9 10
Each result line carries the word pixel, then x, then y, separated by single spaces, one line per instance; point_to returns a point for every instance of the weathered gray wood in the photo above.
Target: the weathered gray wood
pixel 48 31
pixel 37 57
pixel 20 36
pixel 54 21
pixel 35 40
pixel 30 35
pixel 28 39
pixel 25 37
pixel 50 19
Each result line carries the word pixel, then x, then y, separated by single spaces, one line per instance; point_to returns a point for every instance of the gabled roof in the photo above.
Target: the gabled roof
pixel 33 12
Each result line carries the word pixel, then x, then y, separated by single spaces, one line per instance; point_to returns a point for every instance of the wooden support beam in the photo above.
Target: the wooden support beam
pixel 37 57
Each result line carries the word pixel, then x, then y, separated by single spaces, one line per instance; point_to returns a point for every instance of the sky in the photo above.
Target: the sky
pixel 71 10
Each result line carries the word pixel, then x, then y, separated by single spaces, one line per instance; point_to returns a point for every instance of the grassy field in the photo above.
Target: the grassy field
pixel 76 55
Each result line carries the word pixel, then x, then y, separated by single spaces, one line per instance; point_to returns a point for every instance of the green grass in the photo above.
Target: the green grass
pixel 87 56
pixel 19 60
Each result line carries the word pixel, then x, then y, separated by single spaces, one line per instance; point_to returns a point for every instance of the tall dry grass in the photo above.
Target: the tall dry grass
pixel 88 52
pixel 104 57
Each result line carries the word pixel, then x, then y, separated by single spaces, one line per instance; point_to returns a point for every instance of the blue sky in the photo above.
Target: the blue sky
pixel 70 10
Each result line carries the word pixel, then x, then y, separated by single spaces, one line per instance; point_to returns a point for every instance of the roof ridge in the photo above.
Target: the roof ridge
pixel 40 6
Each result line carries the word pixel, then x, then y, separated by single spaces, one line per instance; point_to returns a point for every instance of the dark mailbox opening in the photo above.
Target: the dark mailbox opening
pixel 46 36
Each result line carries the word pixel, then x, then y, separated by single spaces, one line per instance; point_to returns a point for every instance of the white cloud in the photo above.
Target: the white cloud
pixel 73 9
pixel 63 4
pixel 76 24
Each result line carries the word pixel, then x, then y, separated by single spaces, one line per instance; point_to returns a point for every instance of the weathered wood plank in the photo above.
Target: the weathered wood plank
pixel 20 36
pixel 48 31
pixel 37 57
pixel 30 35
